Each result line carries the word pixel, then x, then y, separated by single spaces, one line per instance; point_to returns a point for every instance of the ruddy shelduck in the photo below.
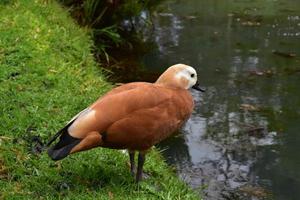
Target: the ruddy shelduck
pixel 133 116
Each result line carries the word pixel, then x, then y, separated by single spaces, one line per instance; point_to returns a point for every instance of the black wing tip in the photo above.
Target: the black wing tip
pixel 63 147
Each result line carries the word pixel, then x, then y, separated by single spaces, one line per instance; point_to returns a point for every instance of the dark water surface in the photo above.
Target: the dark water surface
pixel 243 139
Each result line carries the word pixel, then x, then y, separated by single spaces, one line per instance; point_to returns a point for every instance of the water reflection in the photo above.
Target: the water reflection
pixel 242 139
pixel 221 149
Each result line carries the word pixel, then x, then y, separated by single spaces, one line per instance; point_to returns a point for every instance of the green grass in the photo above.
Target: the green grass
pixel 47 75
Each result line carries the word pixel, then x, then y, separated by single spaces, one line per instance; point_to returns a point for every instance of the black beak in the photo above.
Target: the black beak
pixel 197 87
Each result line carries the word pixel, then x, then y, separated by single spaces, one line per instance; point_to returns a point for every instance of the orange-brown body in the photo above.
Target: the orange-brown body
pixel 134 116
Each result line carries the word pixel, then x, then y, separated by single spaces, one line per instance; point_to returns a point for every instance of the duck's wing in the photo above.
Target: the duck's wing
pixel 67 142
pixel 61 131
pixel 114 91
pixel 110 108
pixel 114 106
pixel 145 127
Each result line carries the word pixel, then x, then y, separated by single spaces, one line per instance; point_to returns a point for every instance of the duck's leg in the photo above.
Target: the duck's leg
pixel 141 161
pixel 132 164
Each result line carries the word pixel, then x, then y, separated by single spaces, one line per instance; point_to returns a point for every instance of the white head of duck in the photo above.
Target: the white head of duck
pixel 179 76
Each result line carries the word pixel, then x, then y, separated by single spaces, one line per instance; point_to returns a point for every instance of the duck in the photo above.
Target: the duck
pixel 134 116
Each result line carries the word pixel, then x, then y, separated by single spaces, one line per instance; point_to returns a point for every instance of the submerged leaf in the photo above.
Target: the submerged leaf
pixel 248 107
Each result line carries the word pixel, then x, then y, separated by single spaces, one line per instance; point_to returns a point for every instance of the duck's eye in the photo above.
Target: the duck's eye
pixel 192 75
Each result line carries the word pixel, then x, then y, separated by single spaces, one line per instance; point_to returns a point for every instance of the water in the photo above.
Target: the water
pixel 243 139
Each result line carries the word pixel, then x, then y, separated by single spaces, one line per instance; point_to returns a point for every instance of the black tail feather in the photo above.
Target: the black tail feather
pixel 60 132
pixel 65 144
pixel 63 147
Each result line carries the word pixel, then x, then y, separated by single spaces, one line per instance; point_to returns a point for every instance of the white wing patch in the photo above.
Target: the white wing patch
pixel 83 112
pixel 81 122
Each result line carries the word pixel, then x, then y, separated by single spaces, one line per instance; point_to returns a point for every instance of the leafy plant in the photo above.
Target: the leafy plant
pixel 104 19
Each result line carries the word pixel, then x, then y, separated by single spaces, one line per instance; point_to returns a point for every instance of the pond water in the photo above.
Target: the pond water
pixel 243 139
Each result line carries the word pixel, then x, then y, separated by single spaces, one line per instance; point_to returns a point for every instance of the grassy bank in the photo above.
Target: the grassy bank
pixel 47 75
